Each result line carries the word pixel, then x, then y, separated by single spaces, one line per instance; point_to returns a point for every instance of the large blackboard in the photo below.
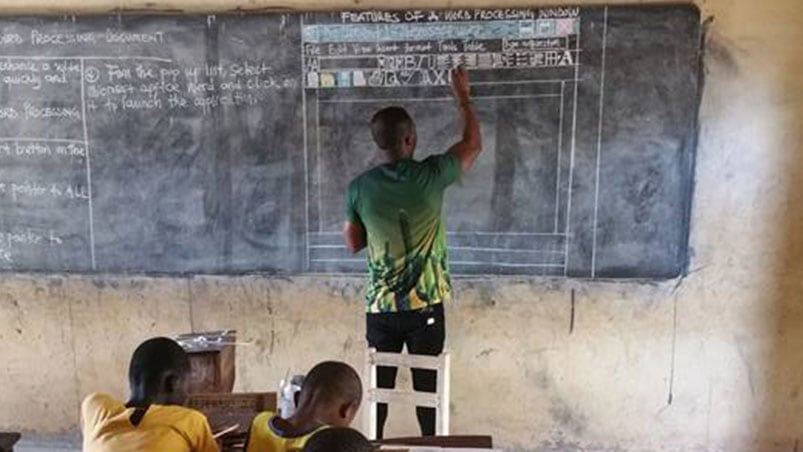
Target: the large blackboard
pixel 223 144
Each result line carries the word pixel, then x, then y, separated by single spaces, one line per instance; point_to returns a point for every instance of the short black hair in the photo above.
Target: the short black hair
pixel 338 440
pixel 331 382
pixel 389 126
pixel 154 359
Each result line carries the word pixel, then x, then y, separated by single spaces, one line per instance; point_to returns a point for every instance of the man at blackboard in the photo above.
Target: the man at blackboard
pixel 394 210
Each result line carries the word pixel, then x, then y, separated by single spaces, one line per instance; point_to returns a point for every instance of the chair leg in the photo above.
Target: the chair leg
pixel 370 416
pixel 444 386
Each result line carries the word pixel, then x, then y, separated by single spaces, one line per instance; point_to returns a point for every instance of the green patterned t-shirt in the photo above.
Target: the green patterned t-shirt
pixel 399 204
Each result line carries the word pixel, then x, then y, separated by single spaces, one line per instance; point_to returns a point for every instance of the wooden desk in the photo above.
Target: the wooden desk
pixel 224 410
pixel 451 441
pixel 433 449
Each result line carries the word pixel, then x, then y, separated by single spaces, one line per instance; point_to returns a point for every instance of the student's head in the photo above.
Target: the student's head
pixel 159 372
pixel 338 440
pixel 394 132
pixel 333 391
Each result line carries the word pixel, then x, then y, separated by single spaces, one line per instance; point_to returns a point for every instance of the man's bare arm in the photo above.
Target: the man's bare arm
pixel 355 237
pixel 470 146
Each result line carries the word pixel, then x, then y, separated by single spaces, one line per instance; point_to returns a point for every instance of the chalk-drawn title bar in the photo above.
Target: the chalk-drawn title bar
pixel 461 15
pixel 480 30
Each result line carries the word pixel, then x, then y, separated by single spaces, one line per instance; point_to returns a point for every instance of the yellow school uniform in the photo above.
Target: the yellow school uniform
pixel 266 437
pixel 106 426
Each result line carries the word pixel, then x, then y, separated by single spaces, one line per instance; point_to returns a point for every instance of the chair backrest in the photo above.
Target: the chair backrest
pixel 439 400
pixel 453 441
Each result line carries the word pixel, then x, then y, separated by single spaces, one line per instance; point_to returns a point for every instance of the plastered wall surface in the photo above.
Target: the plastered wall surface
pixel 711 362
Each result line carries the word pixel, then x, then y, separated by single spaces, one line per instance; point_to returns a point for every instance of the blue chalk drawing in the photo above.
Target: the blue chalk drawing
pixel 344 79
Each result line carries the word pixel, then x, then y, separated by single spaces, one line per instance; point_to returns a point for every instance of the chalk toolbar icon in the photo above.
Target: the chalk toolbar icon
pixel 526 28
pixel 358 77
pixel 327 80
pixel 313 81
pixel 344 79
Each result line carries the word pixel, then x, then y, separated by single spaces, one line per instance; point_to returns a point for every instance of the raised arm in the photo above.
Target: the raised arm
pixel 469 147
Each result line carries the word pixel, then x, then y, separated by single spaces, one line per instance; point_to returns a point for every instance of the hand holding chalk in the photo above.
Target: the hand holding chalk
pixel 460 84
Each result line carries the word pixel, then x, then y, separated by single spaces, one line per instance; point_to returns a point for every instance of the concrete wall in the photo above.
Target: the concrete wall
pixel 712 362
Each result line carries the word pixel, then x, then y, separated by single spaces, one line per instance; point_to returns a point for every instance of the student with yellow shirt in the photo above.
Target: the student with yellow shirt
pixel 153 419
pixel 330 396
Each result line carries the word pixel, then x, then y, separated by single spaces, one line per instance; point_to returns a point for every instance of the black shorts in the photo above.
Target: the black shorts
pixel 423 331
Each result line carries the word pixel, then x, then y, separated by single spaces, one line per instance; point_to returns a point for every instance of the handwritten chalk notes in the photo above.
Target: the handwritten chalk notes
pixel 44 179
pixel 224 144
pixel 105 133
pixel 116 87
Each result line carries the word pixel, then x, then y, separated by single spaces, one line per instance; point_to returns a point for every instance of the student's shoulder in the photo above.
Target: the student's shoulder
pixel 267 414
pixel 263 418
pixel 99 397
pixel 97 407
pixel 181 413
pixel 189 423
pixel 187 420
pixel 100 401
